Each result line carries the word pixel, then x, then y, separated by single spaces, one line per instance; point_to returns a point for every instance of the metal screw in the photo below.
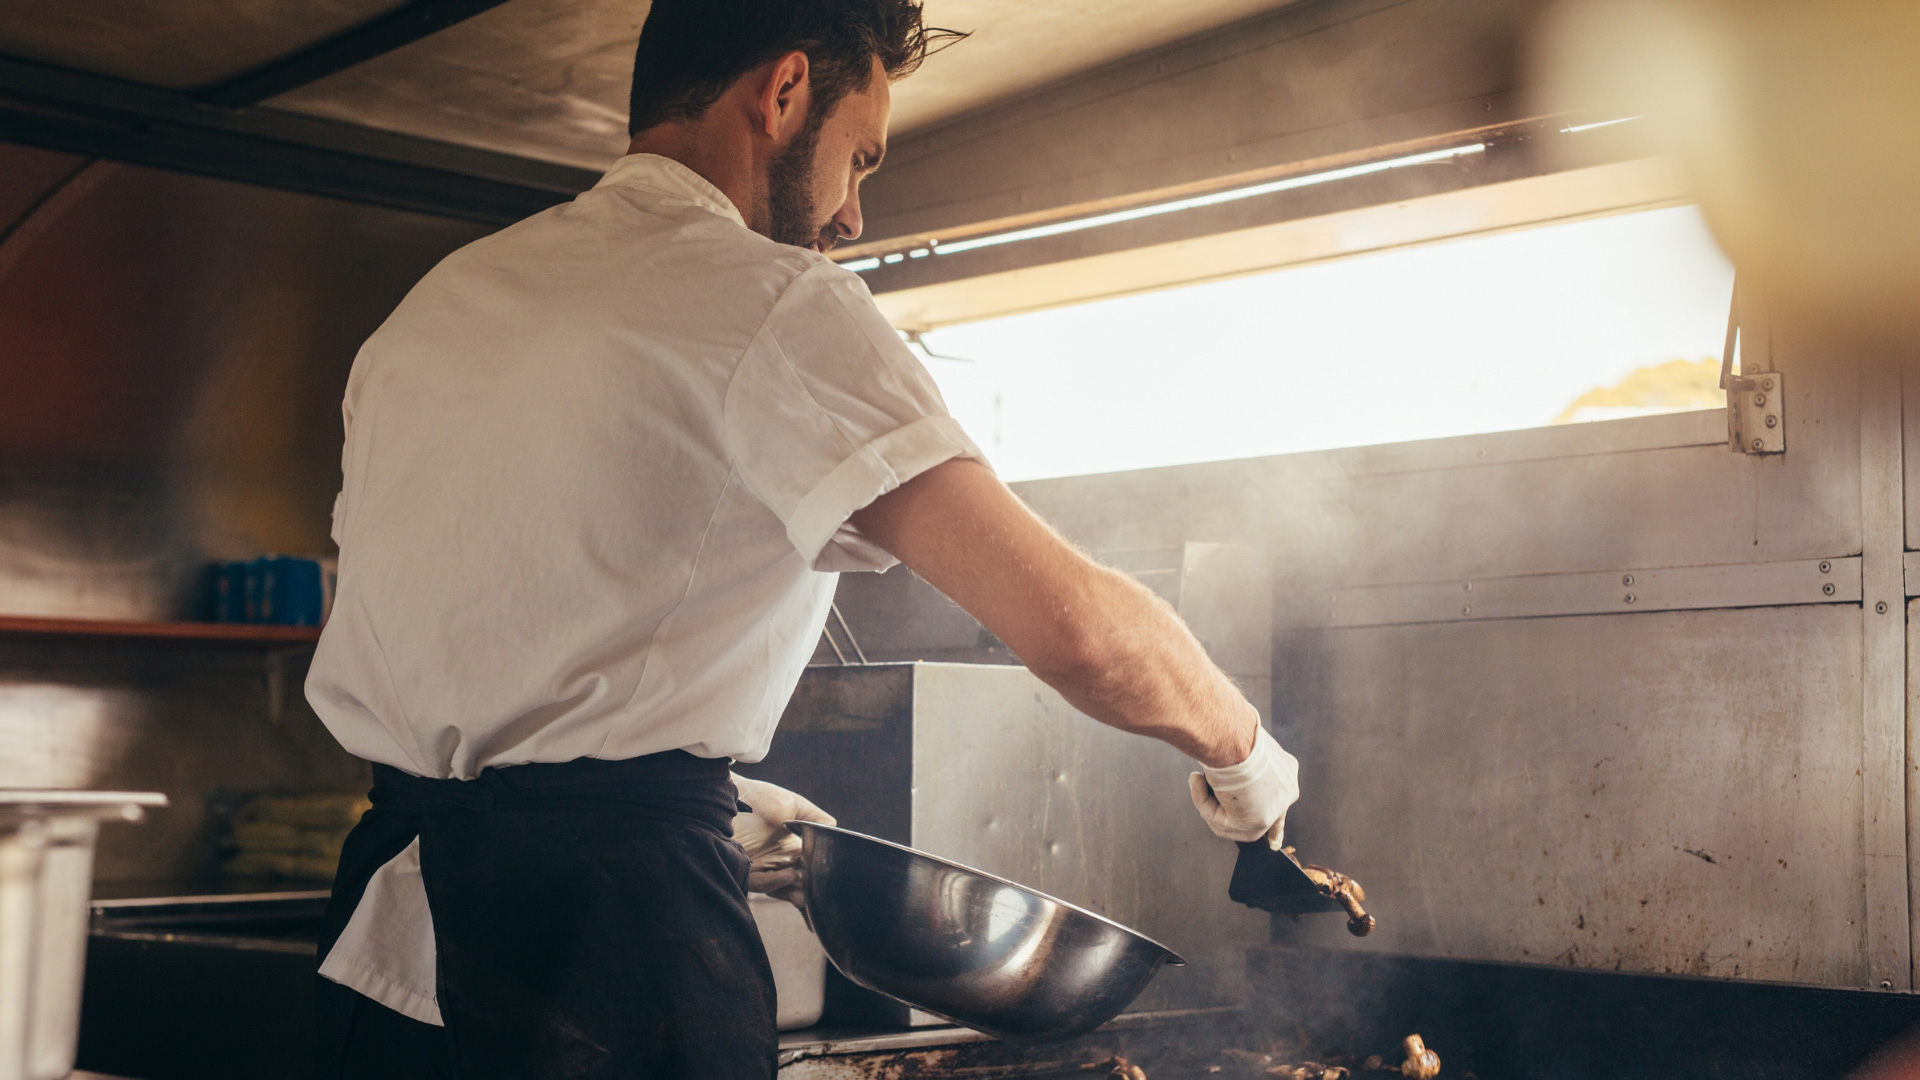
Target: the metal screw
pixel 1766 384
pixel 1773 421
pixel 1827 588
pixel 1880 607
pixel 1626 579
pixel 1466 609
pixel 1825 567
pixel 1630 598
pixel 1759 399
pixel 1758 445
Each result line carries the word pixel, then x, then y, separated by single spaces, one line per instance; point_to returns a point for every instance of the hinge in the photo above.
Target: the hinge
pixel 1757 397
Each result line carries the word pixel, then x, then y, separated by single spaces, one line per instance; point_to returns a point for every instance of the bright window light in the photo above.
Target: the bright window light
pixel 953 247
pixel 1553 324
pixel 1577 128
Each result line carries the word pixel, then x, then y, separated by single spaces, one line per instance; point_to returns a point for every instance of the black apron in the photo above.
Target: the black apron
pixel 590 920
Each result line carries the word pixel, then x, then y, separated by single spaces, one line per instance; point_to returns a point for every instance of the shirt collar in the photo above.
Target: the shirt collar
pixel 668 177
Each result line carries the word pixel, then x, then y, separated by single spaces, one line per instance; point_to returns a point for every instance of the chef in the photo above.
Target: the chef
pixel 602 470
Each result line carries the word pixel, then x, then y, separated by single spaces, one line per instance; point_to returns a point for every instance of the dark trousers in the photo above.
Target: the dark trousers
pixel 590 920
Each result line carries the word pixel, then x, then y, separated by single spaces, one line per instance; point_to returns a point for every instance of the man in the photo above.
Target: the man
pixel 601 471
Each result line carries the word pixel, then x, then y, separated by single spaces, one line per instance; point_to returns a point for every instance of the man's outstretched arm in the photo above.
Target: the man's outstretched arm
pixel 1113 649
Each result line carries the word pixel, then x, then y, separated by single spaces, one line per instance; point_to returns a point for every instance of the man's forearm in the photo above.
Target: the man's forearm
pixel 1138 668
pixel 1111 647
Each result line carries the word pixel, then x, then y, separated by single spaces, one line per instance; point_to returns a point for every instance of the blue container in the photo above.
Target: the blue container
pixel 281 589
pixel 260 586
pixel 297 591
pixel 229 592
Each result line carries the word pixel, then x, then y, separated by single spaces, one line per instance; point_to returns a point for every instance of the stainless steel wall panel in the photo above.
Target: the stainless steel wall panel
pixel 1883 679
pixel 1013 780
pixel 1679 506
pixel 176 353
pixel 187 720
pixel 1801 581
pixel 986 765
pixel 1673 792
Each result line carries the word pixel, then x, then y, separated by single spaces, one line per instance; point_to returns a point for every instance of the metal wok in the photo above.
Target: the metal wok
pixel 968 946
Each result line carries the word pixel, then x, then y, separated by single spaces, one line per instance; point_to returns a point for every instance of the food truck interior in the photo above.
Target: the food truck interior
pixel 1613 720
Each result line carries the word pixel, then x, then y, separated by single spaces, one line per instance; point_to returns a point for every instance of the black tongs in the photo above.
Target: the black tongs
pixel 1277 881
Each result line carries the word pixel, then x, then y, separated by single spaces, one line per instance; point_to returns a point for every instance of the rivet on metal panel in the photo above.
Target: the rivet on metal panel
pixel 1630 598
pixel 1886 984
pixel 1773 421
pixel 1826 567
pixel 1626 579
pixel 1059 778
pixel 1758 445
pixel 1466 609
pixel 1053 848
pixel 1466 586
pixel 1827 588
pixel 1881 607
pixel 1766 384
pixel 1760 399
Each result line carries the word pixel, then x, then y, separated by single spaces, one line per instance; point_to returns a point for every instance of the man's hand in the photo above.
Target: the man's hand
pixel 1247 801
pixel 773 851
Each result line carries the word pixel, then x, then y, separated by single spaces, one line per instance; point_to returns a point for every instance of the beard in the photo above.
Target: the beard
pixel 792 216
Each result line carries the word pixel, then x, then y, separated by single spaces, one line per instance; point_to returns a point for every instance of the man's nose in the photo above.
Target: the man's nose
pixel 847 220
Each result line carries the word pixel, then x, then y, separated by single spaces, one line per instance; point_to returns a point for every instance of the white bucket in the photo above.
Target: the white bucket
pixel 46 880
pixel 799 963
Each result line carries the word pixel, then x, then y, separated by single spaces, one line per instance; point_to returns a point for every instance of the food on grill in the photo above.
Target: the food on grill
pixel 1118 1068
pixel 1250 1063
pixel 1421 1063
pixel 1308 1070
pixel 1345 890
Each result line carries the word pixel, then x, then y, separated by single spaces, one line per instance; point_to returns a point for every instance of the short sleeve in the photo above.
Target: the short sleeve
pixel 828 410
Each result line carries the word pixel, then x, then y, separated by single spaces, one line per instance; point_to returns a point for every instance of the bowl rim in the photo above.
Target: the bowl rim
pixel 1173 958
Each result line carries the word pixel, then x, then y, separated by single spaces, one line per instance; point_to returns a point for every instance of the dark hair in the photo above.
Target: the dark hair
pixel 692 50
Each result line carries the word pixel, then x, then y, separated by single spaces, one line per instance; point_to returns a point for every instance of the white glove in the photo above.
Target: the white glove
pixel 773 851
pixel 1247 801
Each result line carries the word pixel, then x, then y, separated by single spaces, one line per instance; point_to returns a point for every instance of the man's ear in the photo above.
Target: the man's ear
pixel 784 96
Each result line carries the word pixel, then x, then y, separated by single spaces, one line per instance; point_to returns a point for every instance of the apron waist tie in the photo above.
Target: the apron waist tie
pixel 672 781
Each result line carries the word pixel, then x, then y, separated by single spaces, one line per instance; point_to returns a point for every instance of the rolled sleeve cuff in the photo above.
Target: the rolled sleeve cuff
pixel 818 527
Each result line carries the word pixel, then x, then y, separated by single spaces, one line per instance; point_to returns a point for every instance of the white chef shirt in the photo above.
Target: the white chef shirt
pixel 598 471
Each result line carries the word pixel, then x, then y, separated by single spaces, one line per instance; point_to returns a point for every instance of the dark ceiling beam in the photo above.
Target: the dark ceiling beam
pixel 1310 86
pixel 402 26
pixel 58 109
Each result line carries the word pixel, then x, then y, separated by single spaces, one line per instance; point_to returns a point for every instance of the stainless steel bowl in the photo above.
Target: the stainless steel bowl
pixel 968 946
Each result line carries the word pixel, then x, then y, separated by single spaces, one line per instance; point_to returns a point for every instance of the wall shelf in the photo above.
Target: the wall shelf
pixel 138 629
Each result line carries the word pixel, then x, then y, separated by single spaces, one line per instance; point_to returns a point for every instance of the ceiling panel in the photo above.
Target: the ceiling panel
pixel 542 78
pixel 172 43
pixel 1018 45
pixel 549 78
pixel 27 177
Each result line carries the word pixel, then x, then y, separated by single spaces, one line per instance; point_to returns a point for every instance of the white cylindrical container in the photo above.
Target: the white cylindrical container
pixel 46 880
pixel 799 963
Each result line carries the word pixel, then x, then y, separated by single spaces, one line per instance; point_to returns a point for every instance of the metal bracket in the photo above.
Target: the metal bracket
pixel 1756 413
pixel 1756 398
